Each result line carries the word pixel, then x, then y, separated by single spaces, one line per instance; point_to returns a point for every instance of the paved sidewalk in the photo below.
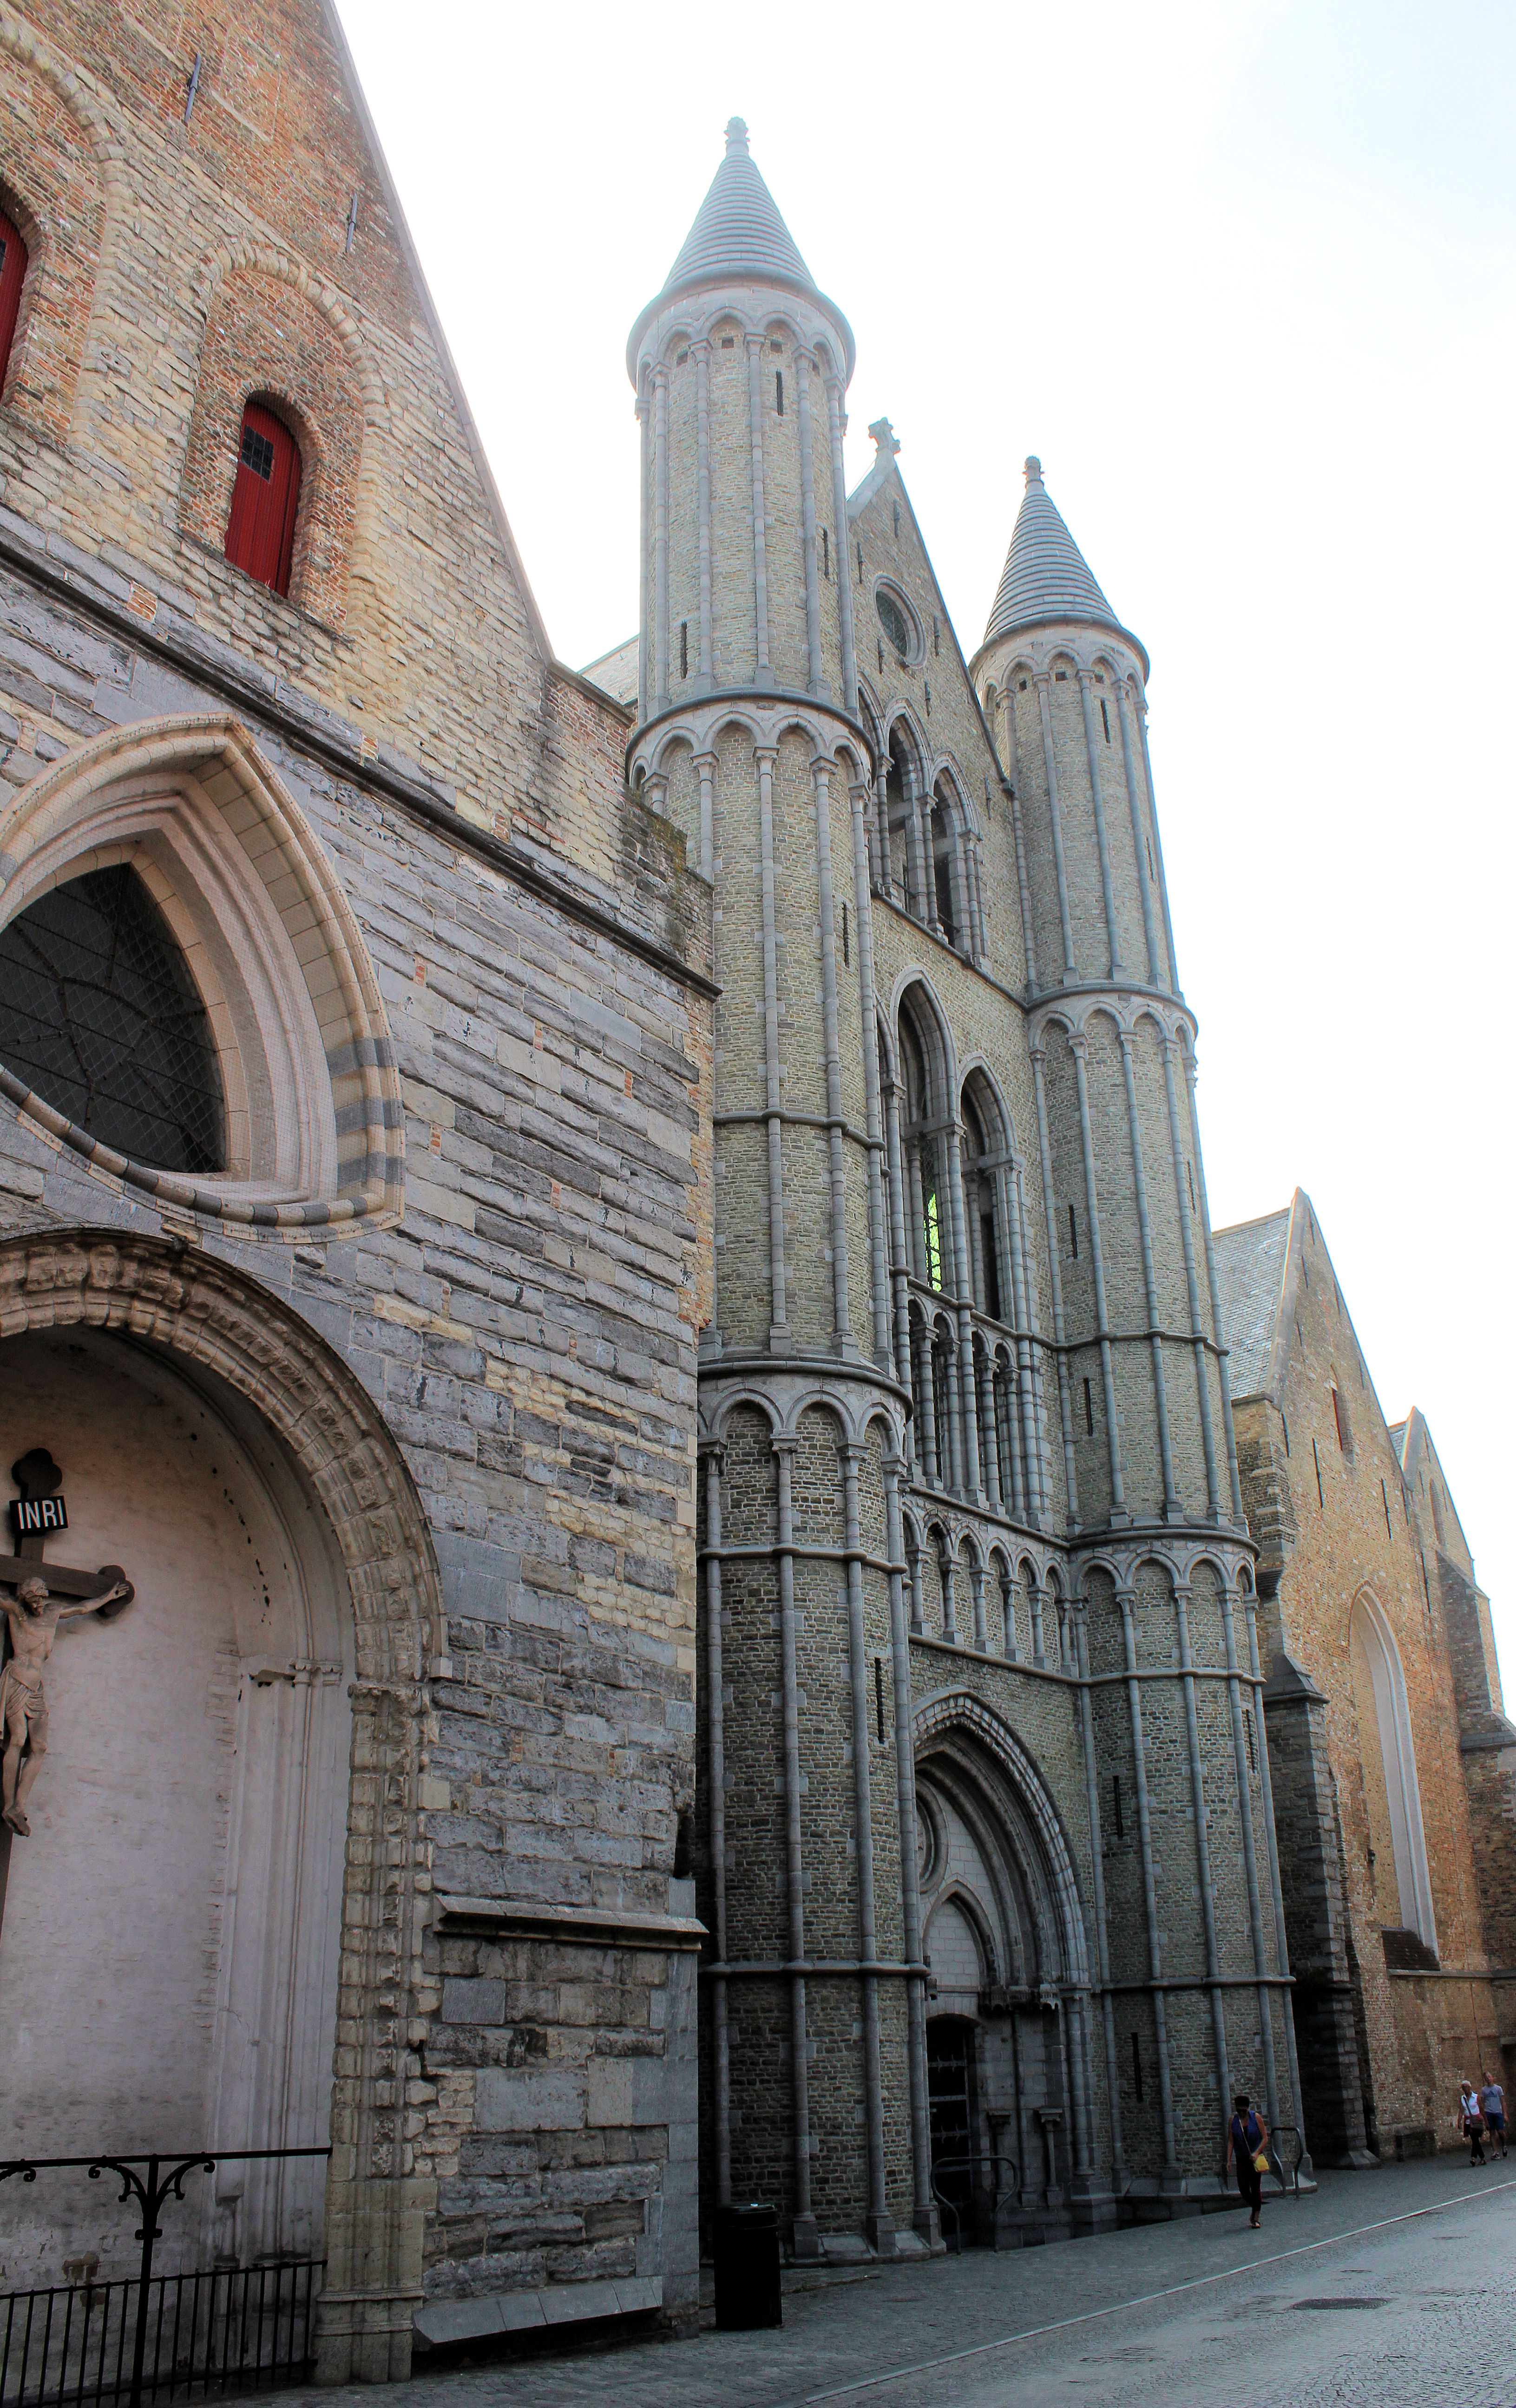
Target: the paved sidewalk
pixel 1385 2290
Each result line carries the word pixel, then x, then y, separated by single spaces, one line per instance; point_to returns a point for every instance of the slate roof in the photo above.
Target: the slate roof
pixel 739 238
pixel 1249 1271
pixel 738 234
pixel 1045 575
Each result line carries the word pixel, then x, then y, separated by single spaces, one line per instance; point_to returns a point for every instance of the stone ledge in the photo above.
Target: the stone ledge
pixel 441 2321
pixel 538 1917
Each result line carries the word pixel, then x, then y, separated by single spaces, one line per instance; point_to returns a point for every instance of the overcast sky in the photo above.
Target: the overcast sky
pixel 1242 276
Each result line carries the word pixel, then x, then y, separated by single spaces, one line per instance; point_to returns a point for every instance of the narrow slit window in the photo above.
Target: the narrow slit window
pixel 779 391
pixel 1147 841
pixel 1247 1733
pixel 927 683
pixel 1389 1526
pixel 1106 718
pixel 1074 1235
pixel 879 642
pixel 860 564
pixel 897 522
pixel 1089 1411
pixel 1285 1427
pixel 826 553
pixel 1136 2068
pixel 260 528
pixel 12 277
pixel 684 648
pixel 1339 1415
pixel 1316 1458
pixel 879 1697
pixel 846 955
pixel 1189 1172
pixel 1116 1805
pixel 936 647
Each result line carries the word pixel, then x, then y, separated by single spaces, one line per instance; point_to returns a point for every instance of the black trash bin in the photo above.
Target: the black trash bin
pixel 747 2268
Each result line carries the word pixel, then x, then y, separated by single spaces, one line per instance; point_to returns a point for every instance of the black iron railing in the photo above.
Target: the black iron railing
pixel 1004 2197
pixel 151 2337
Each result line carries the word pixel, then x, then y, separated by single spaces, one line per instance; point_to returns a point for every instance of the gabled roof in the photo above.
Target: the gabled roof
pixel 1045 577
pixel 1249 1270
pixel 739 238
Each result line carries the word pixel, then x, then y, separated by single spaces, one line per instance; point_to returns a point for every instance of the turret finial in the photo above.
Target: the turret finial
pixel 885 439
pixel 736 135
pixel 1033 468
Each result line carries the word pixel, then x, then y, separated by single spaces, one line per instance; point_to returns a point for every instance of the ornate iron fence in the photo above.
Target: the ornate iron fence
pixel 152 2337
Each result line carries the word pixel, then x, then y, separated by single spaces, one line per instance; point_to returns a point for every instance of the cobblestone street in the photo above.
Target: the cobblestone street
pixel 1391 2289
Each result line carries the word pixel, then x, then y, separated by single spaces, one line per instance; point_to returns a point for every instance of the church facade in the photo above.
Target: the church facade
pixel 618 1367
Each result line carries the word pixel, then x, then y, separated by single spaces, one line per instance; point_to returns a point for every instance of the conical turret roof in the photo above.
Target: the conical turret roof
pixel 1045 575
pixel 738 234
pixel 739 238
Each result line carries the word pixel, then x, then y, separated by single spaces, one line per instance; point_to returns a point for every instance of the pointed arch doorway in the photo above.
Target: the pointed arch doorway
pixel 1008 2083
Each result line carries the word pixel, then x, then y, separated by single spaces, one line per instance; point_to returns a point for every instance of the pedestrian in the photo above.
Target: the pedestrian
pixel 1248 2139
pixel 1493 2109
pixel 1471 2121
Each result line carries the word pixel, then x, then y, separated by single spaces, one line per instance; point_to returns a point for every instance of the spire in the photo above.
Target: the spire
pixel 1045 574
pixel 739 238
pixel 738 234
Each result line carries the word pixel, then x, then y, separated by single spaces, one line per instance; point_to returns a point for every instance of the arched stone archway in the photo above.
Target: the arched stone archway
pixel 200 1313
pixel 1004 1931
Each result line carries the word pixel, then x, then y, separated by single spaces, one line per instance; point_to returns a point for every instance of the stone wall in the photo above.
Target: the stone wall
pixel 525 1333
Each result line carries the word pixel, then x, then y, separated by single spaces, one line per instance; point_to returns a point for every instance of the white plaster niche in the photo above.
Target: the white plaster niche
pixel 169 1953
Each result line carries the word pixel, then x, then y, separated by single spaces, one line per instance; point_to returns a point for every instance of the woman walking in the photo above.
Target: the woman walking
pixel 1247 2140
pixel 1472 2121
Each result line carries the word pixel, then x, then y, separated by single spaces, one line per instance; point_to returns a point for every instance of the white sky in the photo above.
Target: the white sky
pixel 1243 276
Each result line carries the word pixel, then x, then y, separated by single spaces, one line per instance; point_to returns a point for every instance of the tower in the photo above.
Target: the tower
pixel 1157 1535
pixel 748 738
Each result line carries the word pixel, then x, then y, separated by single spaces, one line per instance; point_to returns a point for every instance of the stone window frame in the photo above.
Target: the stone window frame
pixel 1397 1751
pixel 65 234
pixel 273 336
pixel 314 1122
pixel 888 585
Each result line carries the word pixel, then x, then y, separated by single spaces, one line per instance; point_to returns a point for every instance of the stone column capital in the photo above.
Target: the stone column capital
pixel 766 755
pixel 705 760
pixel 1078 1044
pixel 784 1443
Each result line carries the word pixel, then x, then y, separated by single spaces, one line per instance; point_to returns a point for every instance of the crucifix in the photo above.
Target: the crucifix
pixel 43 1595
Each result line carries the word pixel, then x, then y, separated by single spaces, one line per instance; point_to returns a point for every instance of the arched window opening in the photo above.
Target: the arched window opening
pixel 926 1214
pixel 1400 1881
pixel 12 277
pixel 100 1016
pixel 902 790
pixel 944 864
pixel 260 530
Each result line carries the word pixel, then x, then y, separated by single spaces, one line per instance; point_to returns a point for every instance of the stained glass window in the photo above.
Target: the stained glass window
pixel 100 1016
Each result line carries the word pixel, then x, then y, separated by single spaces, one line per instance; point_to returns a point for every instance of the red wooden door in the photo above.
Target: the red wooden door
pixel 260 531
pixel 12 277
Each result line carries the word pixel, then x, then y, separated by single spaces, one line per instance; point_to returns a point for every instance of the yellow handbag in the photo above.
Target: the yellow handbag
pixel 1261 2162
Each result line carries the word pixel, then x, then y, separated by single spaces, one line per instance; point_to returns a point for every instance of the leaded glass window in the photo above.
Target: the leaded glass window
pixel 100 1016
pixel 894 622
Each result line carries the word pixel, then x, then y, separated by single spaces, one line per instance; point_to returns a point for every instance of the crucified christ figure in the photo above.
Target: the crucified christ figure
pixel 32 1617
